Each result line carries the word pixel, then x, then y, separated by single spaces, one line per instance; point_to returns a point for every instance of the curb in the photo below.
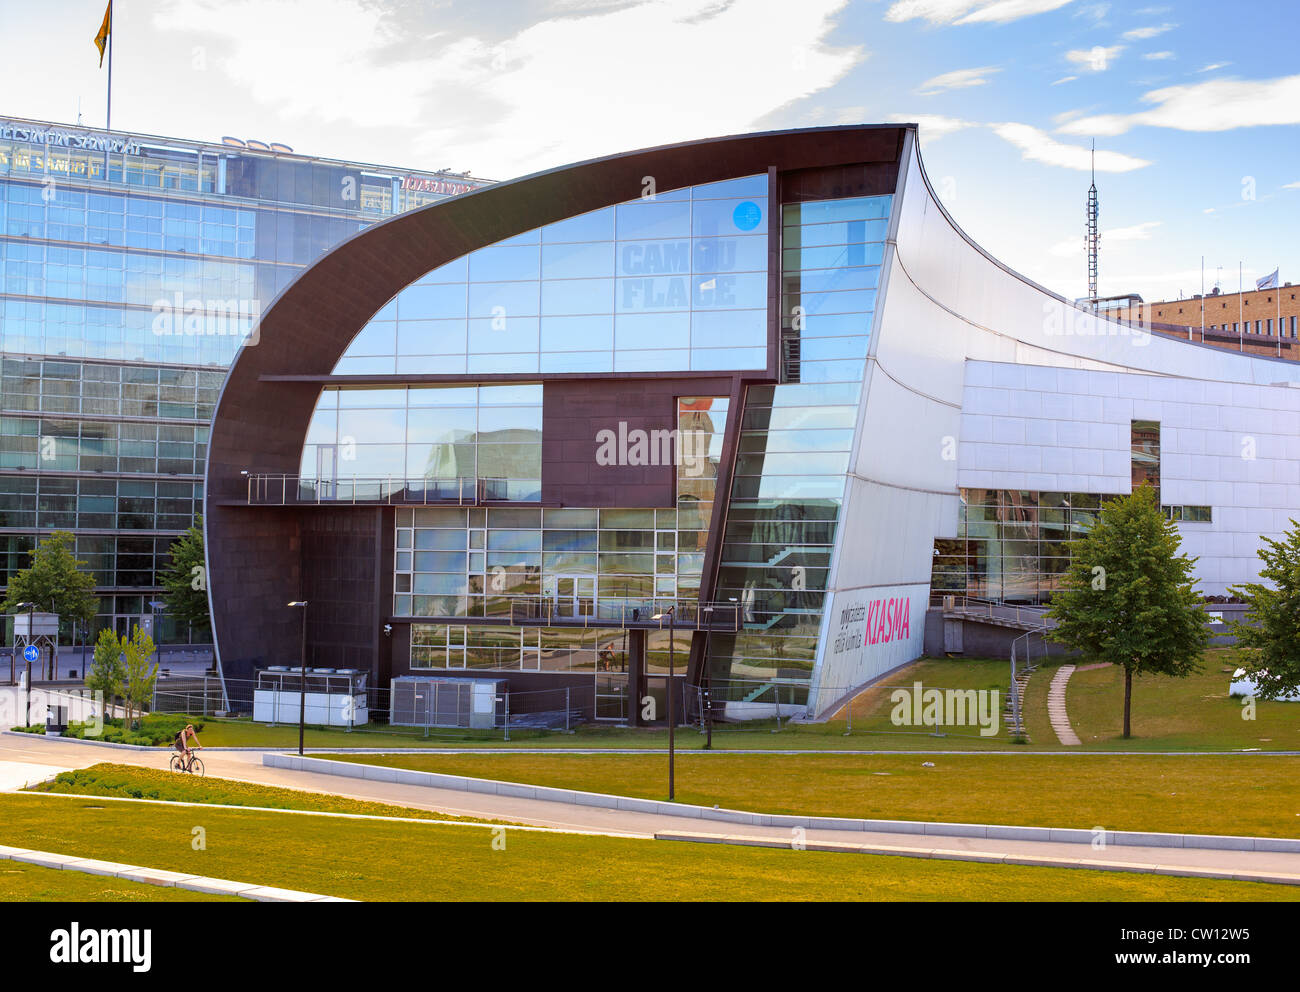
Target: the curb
pixel 439 780
pixel 159 876
pixel 986 857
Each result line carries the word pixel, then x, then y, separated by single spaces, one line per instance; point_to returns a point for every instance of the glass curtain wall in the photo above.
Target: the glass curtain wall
pixel 673 281
pixel 795 444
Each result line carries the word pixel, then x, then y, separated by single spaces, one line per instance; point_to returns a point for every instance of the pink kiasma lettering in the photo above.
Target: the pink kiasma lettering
pixel 888 620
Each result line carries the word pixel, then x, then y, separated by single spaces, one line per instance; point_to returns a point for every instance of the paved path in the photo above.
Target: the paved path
pixel 1056 707
pixel 247 766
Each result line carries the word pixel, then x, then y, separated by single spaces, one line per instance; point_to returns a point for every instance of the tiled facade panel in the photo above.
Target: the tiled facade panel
pixel 1234 447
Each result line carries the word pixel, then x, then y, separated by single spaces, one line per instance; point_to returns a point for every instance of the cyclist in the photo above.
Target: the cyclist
pixel 182 744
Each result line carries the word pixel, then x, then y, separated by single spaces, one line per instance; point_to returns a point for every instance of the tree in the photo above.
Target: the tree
pixel 141 673
pixel 54 581
pixel 185 579
pixel 1270 633
pixel 107 672
pixel 1128 596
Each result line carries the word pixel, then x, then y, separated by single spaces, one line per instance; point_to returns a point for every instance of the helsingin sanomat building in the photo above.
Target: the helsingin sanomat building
pixel 757 391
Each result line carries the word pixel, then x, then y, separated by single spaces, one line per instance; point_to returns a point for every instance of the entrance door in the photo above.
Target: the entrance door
pixel 574 596
pixel 611 696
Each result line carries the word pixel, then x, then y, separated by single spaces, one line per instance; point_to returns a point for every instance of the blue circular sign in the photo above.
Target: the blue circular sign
pixel 746 215
pixel 31 652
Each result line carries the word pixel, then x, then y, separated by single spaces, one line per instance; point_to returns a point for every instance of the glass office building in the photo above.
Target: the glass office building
pixel 133 269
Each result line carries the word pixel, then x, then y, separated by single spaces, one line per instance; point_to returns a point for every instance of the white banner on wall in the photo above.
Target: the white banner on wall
pixel 871 631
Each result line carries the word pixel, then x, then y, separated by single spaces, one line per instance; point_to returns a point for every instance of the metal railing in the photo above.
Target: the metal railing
pixel 971 606
pixel 650 614
pixel 279 489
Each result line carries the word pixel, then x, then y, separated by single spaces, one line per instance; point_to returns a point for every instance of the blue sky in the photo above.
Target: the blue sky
pixel 1195 106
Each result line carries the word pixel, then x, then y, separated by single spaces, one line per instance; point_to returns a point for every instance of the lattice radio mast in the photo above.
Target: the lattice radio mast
pixel 1093 239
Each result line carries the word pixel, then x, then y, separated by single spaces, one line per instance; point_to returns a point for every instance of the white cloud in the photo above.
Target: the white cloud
pixel 1295 185
pixel 1216 105
pixel 1213 66
pixel 1065 79
pixel 1142 34
pixel 1095 59
pixel 932 126
pixel 1075 246
pixel 556 91
pixel 956 80
pixel 969 11
pixel 1039 146
pixel 1159 56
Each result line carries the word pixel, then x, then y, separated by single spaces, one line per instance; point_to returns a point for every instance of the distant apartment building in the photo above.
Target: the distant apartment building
pixel 1260 322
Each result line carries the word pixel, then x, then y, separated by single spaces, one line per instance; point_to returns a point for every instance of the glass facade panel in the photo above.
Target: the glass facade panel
pixel 794 448
pixel 673 282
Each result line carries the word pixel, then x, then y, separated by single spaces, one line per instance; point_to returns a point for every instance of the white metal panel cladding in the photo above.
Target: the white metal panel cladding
pixel 1035 399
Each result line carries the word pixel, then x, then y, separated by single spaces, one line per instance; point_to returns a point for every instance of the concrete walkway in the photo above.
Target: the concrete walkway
pixel 157 876
pixel 246 766
pixel 1056 707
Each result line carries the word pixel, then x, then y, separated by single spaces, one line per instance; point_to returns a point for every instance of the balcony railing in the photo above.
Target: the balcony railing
pixel 267 489
pixel 645 614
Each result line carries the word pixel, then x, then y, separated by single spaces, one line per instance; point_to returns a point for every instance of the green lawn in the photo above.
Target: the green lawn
pixel 1229 794
pixel 1168 715
pixel 1178 714
pixel 32 883
pixel 383 860
pixel 133 782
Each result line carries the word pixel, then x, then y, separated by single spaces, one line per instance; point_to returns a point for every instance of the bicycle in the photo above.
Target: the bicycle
pixel 194 766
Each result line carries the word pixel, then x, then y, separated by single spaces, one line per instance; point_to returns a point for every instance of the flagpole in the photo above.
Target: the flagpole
pixel 108 124
pixel 1241 315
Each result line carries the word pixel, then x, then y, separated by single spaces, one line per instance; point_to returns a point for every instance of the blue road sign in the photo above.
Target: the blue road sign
pixel 31 652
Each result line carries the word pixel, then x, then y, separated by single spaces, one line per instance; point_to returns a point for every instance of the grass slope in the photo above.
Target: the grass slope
pixel 395 861
pixel 33 883
pixel 1257 796
pixel 133 782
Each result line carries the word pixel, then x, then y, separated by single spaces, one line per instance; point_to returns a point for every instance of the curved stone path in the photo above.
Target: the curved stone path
pixel 1056 707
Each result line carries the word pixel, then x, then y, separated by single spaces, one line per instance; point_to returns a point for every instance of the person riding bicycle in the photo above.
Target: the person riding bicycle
pixel 182 743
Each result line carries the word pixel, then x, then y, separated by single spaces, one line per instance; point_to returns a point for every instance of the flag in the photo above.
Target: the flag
pixel 1269 281
pixel 101 39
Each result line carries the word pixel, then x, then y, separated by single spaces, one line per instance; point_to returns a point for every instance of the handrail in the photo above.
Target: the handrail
pixel 299 490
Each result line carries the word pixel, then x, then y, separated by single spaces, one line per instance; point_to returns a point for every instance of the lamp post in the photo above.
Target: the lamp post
pixel 302 687
pixel 27 709
pixel 154 607
pixel 671 753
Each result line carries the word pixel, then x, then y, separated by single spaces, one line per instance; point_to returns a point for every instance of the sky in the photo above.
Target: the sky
pixel 1194 106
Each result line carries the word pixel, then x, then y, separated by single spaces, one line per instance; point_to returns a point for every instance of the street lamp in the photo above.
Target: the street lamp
pixel 30 608
pixel 154 607
pixel 669 617
pixel 302 687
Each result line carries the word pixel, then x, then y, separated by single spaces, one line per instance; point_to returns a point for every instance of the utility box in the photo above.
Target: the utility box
pixel 56 720
pixel 424 701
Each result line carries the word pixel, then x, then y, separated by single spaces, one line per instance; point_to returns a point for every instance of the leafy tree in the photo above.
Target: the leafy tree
pixel 108 671
pixel 54 581
pixel 141 673
pixel 1127 597
pixel 185 579
pixel 1270 633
